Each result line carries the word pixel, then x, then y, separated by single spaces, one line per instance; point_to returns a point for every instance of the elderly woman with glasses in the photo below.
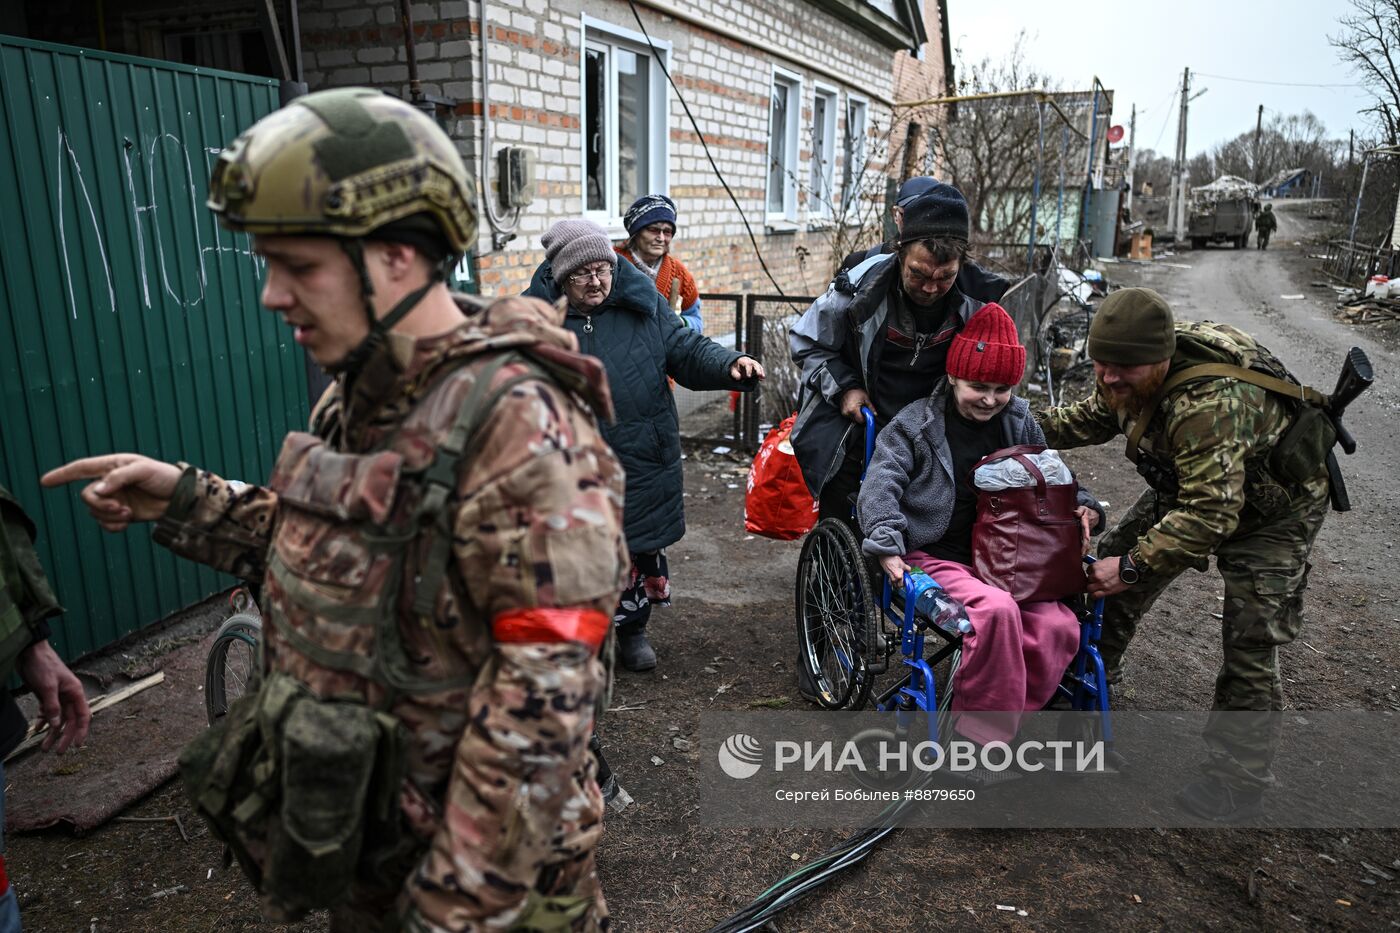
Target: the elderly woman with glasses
pixel 619 317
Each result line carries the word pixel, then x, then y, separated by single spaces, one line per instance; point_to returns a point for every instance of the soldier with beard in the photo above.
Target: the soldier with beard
pixel 1205 451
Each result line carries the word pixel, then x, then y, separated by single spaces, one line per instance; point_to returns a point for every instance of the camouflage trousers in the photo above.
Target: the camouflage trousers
pixel 1265 568
pixel 572 901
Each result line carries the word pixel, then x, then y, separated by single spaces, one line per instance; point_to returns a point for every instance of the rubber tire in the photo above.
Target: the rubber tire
pixel 861 623
pixel 240 634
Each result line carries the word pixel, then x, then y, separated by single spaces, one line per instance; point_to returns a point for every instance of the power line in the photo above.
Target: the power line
pixel 1273 83
pixel 706 146
pixel 1166 118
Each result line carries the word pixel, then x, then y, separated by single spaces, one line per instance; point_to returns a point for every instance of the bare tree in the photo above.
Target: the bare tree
pixel 1200 169
pixel 1290 141
pixel 990 150
pixel 1149 168
pixel 1369 44
pixel 854 207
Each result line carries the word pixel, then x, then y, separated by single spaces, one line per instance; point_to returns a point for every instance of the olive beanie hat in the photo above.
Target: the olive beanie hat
pixel 1132 327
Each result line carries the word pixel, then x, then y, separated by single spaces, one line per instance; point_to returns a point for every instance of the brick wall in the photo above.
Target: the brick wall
pixel 535 101
pixel 920 77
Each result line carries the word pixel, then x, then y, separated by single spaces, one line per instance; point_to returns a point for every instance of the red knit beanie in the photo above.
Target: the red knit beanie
pixel 987 349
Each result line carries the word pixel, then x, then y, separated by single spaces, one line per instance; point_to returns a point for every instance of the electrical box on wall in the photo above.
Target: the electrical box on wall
pixel 515 176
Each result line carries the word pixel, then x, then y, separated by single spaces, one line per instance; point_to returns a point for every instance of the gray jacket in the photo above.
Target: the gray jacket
pixel 836 342
pixel 909 489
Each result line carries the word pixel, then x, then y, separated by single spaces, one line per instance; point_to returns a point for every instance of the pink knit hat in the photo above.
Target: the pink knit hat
pixel 987 349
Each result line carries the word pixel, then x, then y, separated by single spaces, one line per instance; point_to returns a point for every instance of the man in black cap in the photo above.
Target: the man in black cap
pixel 973 280
pixel 878 338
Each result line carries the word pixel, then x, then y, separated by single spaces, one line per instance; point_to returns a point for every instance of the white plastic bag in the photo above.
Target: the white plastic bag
pixel 1008 473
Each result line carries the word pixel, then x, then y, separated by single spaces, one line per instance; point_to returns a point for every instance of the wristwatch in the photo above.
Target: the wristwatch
pixel 1127 570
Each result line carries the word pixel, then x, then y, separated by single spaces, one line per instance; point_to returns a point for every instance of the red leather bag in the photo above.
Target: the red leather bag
pixel 1028 541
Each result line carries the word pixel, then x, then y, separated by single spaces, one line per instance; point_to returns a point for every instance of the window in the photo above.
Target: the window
pixel 782 146
pixel 854 167
pixel 820 193
pixel 624 121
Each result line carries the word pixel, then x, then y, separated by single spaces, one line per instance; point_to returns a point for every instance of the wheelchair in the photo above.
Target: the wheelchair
pixel 851 621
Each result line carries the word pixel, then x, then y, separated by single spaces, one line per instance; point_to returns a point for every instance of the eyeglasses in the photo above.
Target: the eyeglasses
pixel 587 275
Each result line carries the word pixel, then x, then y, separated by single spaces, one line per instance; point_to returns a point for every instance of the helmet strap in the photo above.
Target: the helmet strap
pixel 378 327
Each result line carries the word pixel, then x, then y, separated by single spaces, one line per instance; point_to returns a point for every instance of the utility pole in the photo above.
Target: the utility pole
pixel 1132 154
pixel 1176 208
pixel 1258 131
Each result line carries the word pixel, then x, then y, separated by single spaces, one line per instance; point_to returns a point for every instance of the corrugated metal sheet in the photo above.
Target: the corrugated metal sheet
pixel 130 321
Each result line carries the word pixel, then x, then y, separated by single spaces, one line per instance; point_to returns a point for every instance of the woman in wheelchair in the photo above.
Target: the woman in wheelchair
pixel 916 508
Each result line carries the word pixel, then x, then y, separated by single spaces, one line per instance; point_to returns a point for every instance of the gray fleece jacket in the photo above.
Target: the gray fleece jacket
pixel 908 492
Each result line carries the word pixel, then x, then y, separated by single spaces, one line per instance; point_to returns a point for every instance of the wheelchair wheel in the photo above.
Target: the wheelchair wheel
pixel 838 616
pixel 232 664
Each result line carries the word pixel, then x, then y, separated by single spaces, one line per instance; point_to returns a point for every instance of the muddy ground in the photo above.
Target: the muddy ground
pixel 728 643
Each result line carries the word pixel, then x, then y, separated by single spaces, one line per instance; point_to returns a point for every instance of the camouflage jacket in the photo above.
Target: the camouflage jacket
pixel 500 786
pixel 1217 434
pixel 26 603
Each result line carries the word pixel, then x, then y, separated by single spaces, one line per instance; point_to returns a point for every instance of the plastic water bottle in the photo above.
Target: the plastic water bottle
pixel 933 603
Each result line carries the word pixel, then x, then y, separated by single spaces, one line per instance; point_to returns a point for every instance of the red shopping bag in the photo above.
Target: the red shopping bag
pixel 777 504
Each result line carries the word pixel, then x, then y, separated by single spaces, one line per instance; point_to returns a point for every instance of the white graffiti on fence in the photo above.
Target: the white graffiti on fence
pixel 92 214
pixel 159 143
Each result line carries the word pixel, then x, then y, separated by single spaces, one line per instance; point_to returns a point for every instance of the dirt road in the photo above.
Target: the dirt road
pixel 728 643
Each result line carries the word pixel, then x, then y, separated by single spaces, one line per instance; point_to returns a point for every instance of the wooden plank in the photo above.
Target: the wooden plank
pixel 39 728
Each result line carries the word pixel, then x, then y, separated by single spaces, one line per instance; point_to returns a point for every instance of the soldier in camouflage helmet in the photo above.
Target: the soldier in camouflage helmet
pixel 440 554
pixel 1206 452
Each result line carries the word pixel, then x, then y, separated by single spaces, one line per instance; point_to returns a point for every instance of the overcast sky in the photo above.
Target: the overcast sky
pixel 1138 50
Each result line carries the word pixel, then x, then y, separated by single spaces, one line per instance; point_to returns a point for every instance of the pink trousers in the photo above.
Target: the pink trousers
pixel 1014 657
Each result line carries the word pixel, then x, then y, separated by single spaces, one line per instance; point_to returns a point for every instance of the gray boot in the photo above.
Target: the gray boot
pixel 634 650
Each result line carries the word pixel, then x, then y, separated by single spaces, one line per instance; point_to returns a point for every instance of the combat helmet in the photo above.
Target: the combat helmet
pixel 350 163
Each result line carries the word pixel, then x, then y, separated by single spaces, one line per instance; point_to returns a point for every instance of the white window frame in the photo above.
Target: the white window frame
pixel 788 215
pixel 600 33
pixel 857 157
pixel 819 206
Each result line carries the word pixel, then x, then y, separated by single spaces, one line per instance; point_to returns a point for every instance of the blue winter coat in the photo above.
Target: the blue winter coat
pixel 641 341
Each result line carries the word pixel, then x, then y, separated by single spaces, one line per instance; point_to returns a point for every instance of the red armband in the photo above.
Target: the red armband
pixel 588 626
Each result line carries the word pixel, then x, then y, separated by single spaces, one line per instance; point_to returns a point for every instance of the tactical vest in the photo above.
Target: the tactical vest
pixel 1212 351
pixel 303 785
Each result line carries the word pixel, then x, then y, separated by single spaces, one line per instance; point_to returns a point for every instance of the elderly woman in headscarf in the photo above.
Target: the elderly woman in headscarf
pixel 620 318
pixel 651 228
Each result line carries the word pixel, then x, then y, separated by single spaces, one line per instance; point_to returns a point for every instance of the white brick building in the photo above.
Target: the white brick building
pixel 583 88
pixel 794 97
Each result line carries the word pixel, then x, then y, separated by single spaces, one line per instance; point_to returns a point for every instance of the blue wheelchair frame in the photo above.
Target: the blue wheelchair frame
pixel 1085 684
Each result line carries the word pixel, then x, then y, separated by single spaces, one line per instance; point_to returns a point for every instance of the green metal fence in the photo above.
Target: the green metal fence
pixel 128 319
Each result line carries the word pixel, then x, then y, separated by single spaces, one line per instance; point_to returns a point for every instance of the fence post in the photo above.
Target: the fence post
pixel 739 345
pixel 755 322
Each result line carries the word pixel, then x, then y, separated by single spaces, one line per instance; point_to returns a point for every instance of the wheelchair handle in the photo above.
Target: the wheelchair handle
pixel 868 417
pixel 908 588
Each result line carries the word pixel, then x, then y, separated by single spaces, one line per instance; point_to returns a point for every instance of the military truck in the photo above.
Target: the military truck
pixel 1222 212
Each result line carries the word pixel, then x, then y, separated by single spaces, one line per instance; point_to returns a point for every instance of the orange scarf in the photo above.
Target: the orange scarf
pixel 671 269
